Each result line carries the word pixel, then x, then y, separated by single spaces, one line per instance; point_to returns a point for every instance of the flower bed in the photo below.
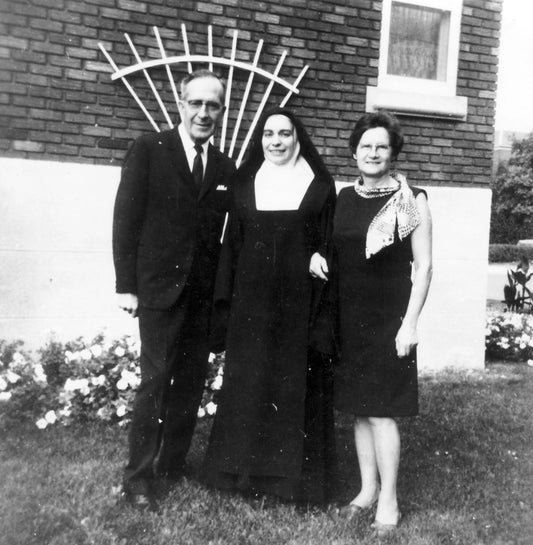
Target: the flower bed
pixel 509 337
pixel 80 381
pixel 86 380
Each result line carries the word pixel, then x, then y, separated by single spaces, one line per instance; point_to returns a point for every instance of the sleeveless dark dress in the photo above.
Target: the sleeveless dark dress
pixel 273 431
pixel 370 379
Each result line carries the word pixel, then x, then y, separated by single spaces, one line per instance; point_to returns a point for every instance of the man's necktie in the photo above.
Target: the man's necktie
pixel 198 166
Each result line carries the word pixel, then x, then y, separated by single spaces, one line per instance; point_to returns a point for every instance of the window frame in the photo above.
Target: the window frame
pixel 405 83
pixel 418 96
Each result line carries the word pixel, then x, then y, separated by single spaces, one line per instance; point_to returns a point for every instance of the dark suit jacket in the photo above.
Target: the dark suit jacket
pixel 164 230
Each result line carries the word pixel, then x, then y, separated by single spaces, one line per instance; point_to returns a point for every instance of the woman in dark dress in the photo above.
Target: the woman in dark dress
pixel 273 431
pixel 382 242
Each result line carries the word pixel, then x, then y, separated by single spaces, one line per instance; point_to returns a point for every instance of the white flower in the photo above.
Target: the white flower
pixel 530 363
pixel 98 381
pixel 41 423
pixel 212 357
pixel 50 417
pixel 211 408
pixel 119 351
pixel 217 383
pixel 38 373
pixel 522 345
pixel 70 385
pixel 121 411
pixel 12 377
pixel 5 396
pixel 200 413
pixel 80 384
pixel 18 358
pixel 96 350
pixel 85 354
pixel 128 378
pixel 70 356
pixel 65 411
pixel 3 384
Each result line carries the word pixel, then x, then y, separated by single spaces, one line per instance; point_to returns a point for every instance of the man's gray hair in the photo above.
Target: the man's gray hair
pixel 202 73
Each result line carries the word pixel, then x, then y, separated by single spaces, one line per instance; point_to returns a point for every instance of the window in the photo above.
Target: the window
pixel 418 62
pixel 418 42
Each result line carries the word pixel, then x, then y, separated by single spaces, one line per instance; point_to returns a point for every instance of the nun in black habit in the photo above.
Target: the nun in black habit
pixel 273 431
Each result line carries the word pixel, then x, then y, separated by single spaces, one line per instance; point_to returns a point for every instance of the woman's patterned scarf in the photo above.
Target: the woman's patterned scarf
pixel 400 210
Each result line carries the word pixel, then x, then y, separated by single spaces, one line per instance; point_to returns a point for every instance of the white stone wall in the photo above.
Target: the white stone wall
pixel 452 326
pixel 56 272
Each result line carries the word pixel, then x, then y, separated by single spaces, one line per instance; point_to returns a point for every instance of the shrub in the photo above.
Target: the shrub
pixel 81 381
pixel 509 336
pixel 24 390
pixel 101 382
pixel 509 253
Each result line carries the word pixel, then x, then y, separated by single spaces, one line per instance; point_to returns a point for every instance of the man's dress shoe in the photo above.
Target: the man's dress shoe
pixel 142 502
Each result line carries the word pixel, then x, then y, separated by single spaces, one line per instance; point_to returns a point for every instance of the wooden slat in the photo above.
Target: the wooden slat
pixel 130 89
pixel 228 91
pixel 150 83
pixel 245 99
pixel 167 66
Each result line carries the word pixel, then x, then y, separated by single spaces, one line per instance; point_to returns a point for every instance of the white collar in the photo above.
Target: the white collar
pixel 282 187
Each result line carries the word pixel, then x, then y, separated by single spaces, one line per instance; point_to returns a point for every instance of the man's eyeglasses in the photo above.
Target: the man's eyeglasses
pixel 211 107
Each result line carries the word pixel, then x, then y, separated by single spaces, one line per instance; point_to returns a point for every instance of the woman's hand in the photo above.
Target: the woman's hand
pixel 406 340
pixel 318 267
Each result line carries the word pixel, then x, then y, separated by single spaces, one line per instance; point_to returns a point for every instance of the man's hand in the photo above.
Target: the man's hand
pixel 128 302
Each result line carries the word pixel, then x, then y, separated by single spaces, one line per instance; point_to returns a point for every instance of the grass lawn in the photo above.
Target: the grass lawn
pixel 466 478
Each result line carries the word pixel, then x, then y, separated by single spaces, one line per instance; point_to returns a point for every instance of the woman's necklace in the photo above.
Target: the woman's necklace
pixel 374 192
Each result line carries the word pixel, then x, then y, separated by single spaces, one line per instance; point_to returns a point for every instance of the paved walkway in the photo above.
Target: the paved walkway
pixel 497 278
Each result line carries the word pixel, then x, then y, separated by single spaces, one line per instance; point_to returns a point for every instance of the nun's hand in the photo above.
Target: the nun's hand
pixel 318 267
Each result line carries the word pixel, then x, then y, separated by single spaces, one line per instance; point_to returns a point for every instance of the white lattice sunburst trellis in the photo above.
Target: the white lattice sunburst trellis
pixel 232 63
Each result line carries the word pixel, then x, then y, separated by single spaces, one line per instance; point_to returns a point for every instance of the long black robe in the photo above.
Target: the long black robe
pixel 273 432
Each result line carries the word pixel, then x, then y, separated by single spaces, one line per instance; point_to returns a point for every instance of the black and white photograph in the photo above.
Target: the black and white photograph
pixel 266 272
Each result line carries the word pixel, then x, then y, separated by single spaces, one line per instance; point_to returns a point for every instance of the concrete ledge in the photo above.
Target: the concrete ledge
pixel 418 104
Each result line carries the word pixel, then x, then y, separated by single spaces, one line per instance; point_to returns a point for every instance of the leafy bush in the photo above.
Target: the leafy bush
pixel 509 336
pixel 512 195
pixel 80 381
pixel 516 294
pixel 24 390
pixel 508 253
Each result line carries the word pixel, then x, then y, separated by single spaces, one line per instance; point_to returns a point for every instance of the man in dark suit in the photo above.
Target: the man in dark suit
pixel 168 220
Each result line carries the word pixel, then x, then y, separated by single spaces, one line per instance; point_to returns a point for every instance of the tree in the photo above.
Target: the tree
pixel 512 195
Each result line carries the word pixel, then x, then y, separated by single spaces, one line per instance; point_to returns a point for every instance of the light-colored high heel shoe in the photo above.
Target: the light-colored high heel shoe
pixel 383 530
pixel 352 510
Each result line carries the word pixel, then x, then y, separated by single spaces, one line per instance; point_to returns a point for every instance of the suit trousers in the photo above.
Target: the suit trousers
pixel 174 359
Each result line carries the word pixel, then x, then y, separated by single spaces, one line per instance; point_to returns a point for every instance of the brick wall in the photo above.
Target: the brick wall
pixel 58 103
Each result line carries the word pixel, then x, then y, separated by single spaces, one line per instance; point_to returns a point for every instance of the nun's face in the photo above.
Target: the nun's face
pixel 279 139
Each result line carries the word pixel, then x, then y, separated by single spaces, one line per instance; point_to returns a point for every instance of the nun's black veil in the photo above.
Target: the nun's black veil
pixel 255 156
